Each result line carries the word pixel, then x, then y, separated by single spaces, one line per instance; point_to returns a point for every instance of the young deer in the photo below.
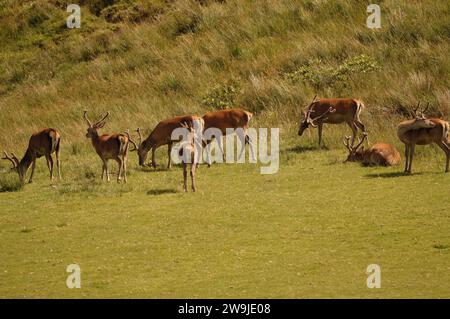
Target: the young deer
pixel 42 143
pixel 188 151
pixel 109 146
pixel 343 111
pixel 381 154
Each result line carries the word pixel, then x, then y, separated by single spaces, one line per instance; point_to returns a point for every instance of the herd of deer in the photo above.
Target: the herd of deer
pixel 419 130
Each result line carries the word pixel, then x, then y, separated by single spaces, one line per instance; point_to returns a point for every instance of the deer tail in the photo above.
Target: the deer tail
pixel 359 108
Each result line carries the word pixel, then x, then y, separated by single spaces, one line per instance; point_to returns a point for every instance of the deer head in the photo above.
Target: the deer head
pixel 306 119
pixel 92 128
pixel 15 164
pixel 354 154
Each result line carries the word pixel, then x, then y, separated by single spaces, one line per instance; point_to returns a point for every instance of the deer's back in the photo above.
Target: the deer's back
pixel 345 110
pixel 229 118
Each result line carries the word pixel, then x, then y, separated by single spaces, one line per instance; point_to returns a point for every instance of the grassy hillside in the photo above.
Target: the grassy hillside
pixel 308 231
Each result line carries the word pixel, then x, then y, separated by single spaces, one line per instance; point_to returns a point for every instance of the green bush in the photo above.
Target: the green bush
pixel 222 96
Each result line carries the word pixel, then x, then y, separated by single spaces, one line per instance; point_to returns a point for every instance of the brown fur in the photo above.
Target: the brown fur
pixel 42 143
pixel 161 135
pixel 418 132
pixel 344 111
pixel 380 154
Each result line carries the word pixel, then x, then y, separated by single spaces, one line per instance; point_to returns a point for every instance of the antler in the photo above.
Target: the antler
pixel 360 142
pixel 347 143
pixel 426 109
pixel 13 159
pixel 127 133
pixel 86 118
pixel 104 118
pixel 138 130
pixel 311 121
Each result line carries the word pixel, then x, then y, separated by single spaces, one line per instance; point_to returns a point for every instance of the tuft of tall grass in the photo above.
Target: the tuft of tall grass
pixel 10 183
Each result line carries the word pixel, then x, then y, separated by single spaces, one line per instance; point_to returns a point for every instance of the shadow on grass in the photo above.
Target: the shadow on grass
pixel 156 192
pixel 391 174
pixel 302 149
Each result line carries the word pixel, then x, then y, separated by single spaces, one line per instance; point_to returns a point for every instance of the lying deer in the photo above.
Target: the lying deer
pixel 189 154
pixel 380 154
pixel 109 146
pixel 344 111
pixel 161 135
pixel 423 131
pixel 42 143
pixel 229 118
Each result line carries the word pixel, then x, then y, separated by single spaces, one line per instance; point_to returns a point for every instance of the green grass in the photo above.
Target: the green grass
pixel 308 231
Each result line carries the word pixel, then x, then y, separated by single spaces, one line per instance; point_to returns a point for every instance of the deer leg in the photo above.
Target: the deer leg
pixel 33 166
pixel 361 126
pixel 406 158
pixel 58 164
pixel 119 174
pixel 354 132
pixel 185 176
pixel 193 177
pixel 446 150
pixel 411 155
pixel 169 150
pixel 207 146
pixel 124 164
pixel 319 130
pixel 49 159
pixel 106 170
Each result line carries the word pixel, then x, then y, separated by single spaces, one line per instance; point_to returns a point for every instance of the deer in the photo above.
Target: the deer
pixel 109 147
pixel 423 131
pixel 42 143
pixel 344 111
pixel 161 135
pixel 188 152
pixel 228 118
pixel 380 154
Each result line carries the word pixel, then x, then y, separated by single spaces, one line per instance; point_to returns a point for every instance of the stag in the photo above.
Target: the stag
pixel 42 143
pixel 109 147
pixel 229 118
pixel 423 131
pixel 344 111
pixel 161 135
pixel 380 154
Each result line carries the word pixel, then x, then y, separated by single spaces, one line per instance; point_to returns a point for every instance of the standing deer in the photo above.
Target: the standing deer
pixel 381 154
pixel 42 143
pixel 161 135
pixel 229 118
pixel 189 152
pixel 344 110
pixel 109 146
pixel 423 131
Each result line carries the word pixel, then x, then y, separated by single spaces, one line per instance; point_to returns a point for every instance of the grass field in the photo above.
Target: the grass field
pixel 309 230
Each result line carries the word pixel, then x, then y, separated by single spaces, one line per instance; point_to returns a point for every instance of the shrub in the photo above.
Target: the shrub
pixel 222 96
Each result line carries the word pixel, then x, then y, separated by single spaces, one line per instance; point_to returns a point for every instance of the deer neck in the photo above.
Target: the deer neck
pixel 26 160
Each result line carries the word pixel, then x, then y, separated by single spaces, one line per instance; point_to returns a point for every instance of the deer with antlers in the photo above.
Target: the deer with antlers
pixel 109 147
pixel 380 154
pixel 332 111
pixel 423 131
pixel 42 143
pixel 161 135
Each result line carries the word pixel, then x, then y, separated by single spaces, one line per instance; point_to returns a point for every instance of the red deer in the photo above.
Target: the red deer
pixel 109 146
pixel 189 153
pixel 423 131
pixel 229 118
pixel 161 135
pixel 42 143
pixel 381 154
pixel 343 110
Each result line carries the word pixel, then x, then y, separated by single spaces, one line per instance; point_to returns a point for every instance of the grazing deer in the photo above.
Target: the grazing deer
pixel 161 135
pixel 344 110
pixel 42 143
pixel 380 154
pixel 229 118
pixel 423 131
pixel 189 152
pixel 109 146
